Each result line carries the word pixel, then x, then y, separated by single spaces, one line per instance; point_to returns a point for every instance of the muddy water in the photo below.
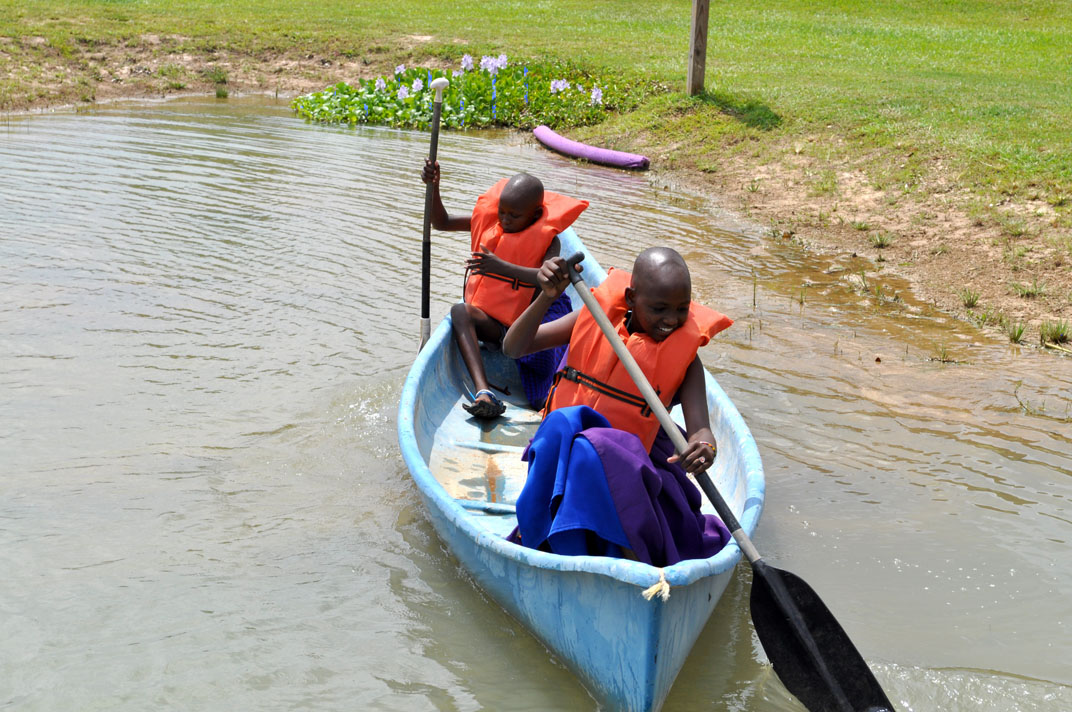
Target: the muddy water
pixel 206 313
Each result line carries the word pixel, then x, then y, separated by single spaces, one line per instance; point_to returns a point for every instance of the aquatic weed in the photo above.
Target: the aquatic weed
pixel 496 92
pixel 941 354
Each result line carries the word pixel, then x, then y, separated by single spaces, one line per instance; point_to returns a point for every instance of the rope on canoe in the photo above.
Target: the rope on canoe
pixel 660 588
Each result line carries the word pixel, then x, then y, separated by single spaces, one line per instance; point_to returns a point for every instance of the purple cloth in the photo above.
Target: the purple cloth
pixel 537 370
pixel 590 485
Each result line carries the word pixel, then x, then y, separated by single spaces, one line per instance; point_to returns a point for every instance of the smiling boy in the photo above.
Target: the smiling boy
pixel 662 327
pixel 603 478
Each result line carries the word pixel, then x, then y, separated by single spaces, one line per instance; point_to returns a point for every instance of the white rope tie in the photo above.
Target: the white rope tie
pixel 660 588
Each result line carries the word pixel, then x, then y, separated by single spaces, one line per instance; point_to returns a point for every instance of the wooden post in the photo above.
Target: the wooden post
pixel 697 47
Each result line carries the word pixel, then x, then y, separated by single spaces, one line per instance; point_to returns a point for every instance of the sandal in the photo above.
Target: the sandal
pixel 485 409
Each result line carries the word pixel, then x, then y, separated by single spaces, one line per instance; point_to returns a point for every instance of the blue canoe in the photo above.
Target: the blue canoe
pixel 588 610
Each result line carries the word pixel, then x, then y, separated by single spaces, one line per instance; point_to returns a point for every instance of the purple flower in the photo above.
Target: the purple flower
pixel 489 64
pixel 467 62
pixel 417 85
pixel 501 61
pixel 456 73
pixel 380 84
pixel 558 85
pixel 399 69
pixel 403 92
pixel 579 88
pixel 597 95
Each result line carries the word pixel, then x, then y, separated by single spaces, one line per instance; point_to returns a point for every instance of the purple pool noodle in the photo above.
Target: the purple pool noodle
pixel 576 149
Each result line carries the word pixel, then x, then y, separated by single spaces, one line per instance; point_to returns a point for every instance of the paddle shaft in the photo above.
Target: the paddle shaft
pixel 767 577
pixel 438 85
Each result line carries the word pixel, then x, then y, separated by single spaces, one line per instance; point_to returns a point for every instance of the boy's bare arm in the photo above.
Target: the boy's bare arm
pixel 700 453
pixel 485 262
pixel 527 335
pixel 440 219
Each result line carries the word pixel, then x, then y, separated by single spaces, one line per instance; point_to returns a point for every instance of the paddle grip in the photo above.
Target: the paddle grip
pixel 572 261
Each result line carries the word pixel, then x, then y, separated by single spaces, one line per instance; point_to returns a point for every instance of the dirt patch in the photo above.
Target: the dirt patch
pixel 156 66
pixel 1013 275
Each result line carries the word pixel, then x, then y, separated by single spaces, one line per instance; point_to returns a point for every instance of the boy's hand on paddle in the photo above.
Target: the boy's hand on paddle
pixel 698 456
pixel 430 174
pixel 553 277
pixel 485 262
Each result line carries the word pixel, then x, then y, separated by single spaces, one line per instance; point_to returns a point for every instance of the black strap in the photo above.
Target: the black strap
pixel 514 282
pixel 583 379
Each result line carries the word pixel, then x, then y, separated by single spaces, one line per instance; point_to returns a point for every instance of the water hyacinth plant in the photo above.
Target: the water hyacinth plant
pixel 496 92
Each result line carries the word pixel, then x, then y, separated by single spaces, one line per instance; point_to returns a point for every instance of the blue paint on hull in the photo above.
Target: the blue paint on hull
pixel 588 610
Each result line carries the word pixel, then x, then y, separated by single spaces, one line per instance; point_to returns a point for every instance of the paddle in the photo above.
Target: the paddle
pixel 438 84
pixel 808 648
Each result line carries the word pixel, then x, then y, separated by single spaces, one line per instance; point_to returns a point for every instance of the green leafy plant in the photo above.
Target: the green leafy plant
pixel 498 92
pixel 216 75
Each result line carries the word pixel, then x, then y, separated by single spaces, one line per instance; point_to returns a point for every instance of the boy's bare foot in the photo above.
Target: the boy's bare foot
pixel 486 406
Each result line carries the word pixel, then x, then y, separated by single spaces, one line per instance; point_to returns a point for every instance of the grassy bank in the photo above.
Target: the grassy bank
pixel 943 125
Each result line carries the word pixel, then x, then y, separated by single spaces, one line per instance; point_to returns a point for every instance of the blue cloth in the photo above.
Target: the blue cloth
pixel 592 489
pixel 566 499
pixel 537 370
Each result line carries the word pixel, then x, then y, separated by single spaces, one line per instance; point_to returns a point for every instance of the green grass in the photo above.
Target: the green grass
pixel 881 240
pixel 1056 332
pixel 968 297
pixel 1029 291
pixel 1015 330
pixel 976 84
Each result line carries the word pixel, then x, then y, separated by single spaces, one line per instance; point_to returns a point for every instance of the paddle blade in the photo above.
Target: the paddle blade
pixel 808 648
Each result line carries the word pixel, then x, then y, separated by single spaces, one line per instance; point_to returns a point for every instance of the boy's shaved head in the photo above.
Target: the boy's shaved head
pixel 520 202
pixel 658 266
pixel 659 294
pixel 523 190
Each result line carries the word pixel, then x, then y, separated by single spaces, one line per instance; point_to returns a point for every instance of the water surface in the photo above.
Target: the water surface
pixel 208 309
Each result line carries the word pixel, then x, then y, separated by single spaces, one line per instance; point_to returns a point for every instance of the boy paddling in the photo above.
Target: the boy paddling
pixel 600 439
pixel 513 230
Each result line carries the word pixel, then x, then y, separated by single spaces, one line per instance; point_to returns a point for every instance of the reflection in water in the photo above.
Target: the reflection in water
pixel 208 309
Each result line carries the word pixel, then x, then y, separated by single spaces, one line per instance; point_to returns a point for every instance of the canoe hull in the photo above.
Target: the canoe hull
pixel 589 611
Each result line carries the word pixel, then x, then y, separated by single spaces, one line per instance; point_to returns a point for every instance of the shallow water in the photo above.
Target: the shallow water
pixel 208 309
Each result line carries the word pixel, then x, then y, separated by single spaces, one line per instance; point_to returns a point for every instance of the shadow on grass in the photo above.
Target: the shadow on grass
pixel 749 112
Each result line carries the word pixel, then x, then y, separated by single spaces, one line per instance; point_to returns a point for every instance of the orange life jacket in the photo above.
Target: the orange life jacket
pixel 502 298
pixel 594 376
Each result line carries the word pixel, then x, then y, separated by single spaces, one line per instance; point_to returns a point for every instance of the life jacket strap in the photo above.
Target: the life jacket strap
pixel 514 283
pixel 583 379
